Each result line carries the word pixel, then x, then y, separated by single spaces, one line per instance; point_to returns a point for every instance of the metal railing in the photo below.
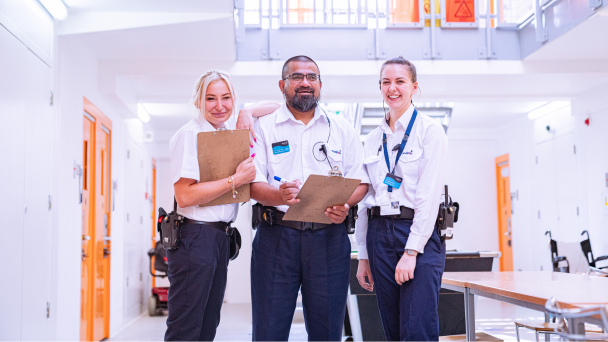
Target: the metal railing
pixel 369 13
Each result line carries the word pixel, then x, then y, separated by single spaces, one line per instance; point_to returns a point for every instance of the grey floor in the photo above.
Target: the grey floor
pixel 493 317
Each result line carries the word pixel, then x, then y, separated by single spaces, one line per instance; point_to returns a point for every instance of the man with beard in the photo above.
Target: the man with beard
pixel 297 140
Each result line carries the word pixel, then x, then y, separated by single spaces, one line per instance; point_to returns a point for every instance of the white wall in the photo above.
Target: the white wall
pixel 471 182
pixel 77 77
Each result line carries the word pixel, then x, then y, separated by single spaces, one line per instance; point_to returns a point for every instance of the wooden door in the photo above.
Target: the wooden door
pixel 503 191
pixel 153 217
pixel 88 132
pixel 96 237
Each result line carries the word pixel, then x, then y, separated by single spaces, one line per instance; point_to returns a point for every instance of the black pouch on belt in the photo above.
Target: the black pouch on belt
pixel 235 243
pixel 351 219
pixel 170 227
pixel 448 214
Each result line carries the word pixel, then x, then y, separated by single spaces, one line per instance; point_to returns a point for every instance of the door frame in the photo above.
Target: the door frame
pixel 506 259
pixel 100 119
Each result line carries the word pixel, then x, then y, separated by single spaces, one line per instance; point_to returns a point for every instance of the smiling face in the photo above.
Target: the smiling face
pixel 301 96
pixel 397 87
pixel 218 103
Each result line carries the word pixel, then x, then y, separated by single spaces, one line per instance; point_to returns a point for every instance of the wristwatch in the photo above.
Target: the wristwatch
pixel 411 252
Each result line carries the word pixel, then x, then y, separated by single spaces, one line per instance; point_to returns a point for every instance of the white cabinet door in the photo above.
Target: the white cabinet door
pixel 26 178
pixel 12 177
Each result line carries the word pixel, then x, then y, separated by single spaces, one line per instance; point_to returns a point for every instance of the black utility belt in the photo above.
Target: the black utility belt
pixel 222 226
pixel 406 213
pixel 272 216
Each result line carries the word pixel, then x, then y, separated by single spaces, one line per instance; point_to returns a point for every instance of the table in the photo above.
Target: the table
pixel 527 289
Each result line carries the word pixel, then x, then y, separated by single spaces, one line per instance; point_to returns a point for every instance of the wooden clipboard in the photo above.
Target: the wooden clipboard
pixel 319 193
pixel 219 154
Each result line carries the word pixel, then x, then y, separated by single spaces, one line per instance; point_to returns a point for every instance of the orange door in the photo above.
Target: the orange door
pixel 95 288
pixel 87 246
pixel 102 234
pixel 153 217
pixel 503 191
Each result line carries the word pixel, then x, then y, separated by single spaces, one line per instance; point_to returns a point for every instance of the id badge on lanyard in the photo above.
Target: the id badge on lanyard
pixel 391 207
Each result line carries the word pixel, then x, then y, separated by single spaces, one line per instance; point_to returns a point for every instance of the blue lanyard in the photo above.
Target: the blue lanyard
pixel 401 147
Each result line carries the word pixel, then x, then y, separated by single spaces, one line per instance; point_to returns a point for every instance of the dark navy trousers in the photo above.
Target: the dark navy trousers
pixel 408 312
pixel 197 276
pixel 285 260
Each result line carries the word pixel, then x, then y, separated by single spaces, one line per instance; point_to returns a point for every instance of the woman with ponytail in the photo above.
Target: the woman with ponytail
pixel 400 251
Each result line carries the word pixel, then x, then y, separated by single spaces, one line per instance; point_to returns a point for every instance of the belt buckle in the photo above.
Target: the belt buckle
pixel 307 225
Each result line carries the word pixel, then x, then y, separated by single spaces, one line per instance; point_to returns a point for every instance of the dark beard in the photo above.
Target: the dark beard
pixel 304 103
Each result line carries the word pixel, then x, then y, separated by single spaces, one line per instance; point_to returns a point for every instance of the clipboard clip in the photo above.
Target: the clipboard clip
pixel 335 172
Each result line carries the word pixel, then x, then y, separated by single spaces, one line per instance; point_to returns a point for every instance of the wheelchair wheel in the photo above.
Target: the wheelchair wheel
pixel 152 305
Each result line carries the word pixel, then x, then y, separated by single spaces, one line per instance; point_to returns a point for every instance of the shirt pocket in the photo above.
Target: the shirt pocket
pixel 409 163
pixel 334 153
pixel 278 158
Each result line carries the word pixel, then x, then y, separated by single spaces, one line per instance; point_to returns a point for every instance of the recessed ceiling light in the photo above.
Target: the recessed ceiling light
pixel 547 109
pixel 56 8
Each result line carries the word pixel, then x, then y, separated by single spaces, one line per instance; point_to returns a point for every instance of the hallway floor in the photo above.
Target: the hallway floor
pixel 493 317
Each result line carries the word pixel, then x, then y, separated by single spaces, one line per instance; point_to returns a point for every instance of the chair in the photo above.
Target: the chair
pixel 556 258
pixel 586 246
pixel 592 270
pixel 548 328
pixel 571 321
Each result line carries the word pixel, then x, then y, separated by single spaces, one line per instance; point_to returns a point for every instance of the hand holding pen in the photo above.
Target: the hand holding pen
pixel 289 190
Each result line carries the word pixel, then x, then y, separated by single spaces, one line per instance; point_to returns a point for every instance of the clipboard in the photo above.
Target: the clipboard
pixel 319 193
pixel 219 154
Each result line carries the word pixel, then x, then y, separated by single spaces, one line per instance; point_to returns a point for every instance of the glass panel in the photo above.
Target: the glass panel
pixel 515 11
pixel 300 11
pixel 252 12
pixel 404 11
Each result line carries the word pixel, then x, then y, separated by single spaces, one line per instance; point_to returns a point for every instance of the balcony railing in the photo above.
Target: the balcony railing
pixel 384 13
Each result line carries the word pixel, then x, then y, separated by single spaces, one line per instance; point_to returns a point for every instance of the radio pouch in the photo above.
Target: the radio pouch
pixel 170 227
pixel 448 214
pixel 351 219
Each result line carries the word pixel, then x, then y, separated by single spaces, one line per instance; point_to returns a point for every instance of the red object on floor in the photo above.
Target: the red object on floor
pixel 162 293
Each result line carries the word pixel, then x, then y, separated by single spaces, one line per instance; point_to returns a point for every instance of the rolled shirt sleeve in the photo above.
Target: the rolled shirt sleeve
pixel 184 156
pixel 431 169
pixel 353 161
pixel 260 160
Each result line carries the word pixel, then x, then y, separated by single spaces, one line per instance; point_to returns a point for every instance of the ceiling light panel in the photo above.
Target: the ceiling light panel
pixel 56 8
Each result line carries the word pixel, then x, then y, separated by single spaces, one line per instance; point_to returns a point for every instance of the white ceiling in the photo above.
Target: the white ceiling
pixel 150 5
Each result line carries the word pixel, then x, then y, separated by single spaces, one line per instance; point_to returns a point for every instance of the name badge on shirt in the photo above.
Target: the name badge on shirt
pixel 280 147
pixel 390 209
pixel 392 180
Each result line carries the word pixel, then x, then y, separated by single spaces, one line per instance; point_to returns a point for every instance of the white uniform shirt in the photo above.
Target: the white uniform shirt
pixel 184 164
pixel 422 167
pixel 343 149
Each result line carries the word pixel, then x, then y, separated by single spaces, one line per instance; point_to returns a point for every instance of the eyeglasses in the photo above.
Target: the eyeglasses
pixel 297 77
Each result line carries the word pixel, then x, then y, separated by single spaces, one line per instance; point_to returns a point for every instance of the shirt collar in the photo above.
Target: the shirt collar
pixel 284 114
pixel 208 127
pixel 403 121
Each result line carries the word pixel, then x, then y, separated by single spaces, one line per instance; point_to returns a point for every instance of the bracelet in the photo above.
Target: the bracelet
pixel 234 192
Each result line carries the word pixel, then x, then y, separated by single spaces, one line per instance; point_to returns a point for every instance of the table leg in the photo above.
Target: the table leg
pixel 547 320
pixel 469 313
pixel 576 326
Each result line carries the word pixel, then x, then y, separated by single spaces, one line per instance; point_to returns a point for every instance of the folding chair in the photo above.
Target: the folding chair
pixel 556 258
pixel 572 321
pixel 586 246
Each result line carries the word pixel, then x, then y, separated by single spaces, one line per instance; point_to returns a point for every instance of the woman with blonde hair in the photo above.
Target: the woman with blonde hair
pixel 199 267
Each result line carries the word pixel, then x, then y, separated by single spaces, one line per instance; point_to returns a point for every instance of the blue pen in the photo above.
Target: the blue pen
pixel 279 179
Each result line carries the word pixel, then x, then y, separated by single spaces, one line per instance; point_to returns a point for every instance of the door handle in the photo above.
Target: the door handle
pixel 86 238
pixel 106 252
pixel 84 255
